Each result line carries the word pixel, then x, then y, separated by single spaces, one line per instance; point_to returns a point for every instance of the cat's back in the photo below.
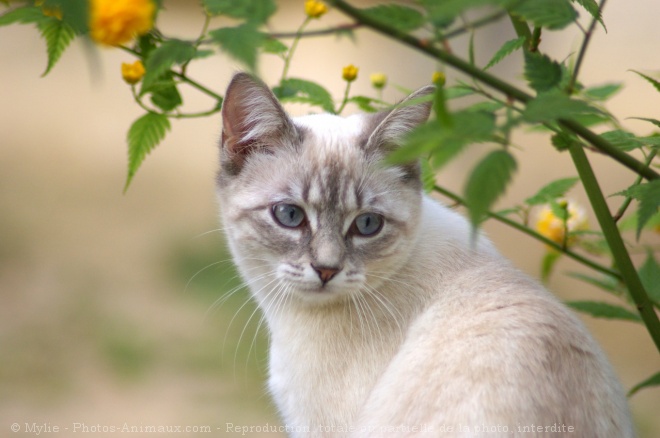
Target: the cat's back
pixel 493 353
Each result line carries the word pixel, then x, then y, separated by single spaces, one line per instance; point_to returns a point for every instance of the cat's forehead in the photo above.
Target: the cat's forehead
pixel 330 138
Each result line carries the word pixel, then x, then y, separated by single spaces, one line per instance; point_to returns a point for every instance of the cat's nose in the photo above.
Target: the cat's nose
pixel 326 273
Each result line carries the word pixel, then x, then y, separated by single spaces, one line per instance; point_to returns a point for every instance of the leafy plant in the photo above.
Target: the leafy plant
pixel 554 101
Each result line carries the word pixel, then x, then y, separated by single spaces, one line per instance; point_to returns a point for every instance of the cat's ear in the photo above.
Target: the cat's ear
pixel 252 121
pixel 393 126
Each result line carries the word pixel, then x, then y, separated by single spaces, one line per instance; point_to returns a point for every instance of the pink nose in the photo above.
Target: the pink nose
pixel 326 273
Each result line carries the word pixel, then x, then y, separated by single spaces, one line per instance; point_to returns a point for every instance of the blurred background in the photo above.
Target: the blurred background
pixel 111 308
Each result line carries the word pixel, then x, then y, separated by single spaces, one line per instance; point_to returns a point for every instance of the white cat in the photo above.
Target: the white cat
pixel 385 319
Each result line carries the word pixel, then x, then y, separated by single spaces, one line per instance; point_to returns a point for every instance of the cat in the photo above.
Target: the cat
pixel 386 315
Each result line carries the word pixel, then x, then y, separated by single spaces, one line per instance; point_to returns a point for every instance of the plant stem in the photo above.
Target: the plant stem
pixel 345 100
pixel 583 49
pixel 616 244
pixel 520 227
pixel 292 49
pixel 314 33
pixel 494 82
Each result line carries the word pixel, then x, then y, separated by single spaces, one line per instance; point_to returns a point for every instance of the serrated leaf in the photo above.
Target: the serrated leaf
pixel 654 380
pixel 507 48
pixel 551 14
pixel 399 17
pixel 649 274
pixel 143 136
pixel 258 11
pixel 274 46
pixel 654 121
pixel 605 282
pixel 58 35
pixel 428 176
pixel 303 91
pixel 623 140
pixel 161 60
pixel 542 72
pixel 599 309
pixel 592 7
pixel 603 92
pixel 648 195
pixel 368 104
pixel 555 189
pixel 74 12
pixel 165 95
pixel 241 42
pixel 563 140
pixel 548 263
pixel 655 83
pixel 547 107
pixel 24 15
pixel 487 183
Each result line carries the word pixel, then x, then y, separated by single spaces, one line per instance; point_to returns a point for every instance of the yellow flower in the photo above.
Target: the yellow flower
pixel 132 73
pixel 439 78
pixel 115 22
pixel 349 73
pixel 378 80
pixel 315 9
pixel 554 228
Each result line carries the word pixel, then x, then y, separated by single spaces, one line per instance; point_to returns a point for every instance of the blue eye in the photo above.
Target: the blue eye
pixel 288 215
pixel 367 224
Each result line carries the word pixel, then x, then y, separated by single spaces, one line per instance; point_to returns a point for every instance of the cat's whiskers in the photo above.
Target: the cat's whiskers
pixel 387 305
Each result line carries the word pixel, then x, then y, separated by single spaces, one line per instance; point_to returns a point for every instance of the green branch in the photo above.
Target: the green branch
pixel 615 242
pixel 526 230
pixel 494 82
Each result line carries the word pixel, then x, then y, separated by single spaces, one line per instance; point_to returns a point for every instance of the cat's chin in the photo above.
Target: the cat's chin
pixel 320 295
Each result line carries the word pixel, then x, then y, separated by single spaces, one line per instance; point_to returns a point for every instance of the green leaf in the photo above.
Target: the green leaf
pixel 274 46
pixel 592 7
pixel 74 12
pixel 402 18
pixel 552 14
pixel 368 104
pixel 599 309
pixel 428 176
pixel 542 72
pixel 622 139
pixel 548 107
pixel 654 380
pixel 241 42
pixel 563 140
pixel 487 183
pixel 656 122
pixel 653 82
pixel 162 58
pixel 144 135
pixel 649 273
pixel 442 13
pixel 58 35
pixel 555 189
pixel 548 263
pixel 302 91
pixel 165 95
pixel 648 195
pixel 24 15
pixel 606 282
pixel 603 92
pixel 507 48
pixel 257 11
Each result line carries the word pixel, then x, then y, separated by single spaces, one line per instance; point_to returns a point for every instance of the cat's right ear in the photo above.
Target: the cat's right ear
pixel 252 121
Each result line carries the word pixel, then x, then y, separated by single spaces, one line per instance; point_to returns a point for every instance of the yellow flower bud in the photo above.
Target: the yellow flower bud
pixel 315 9
pixel 115 22
pixel 349 73
pixel 132 73
pixel 378 80
pixel 439 78
pixel 554 228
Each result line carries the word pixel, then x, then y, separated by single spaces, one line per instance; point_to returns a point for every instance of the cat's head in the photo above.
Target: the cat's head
pixel 309 207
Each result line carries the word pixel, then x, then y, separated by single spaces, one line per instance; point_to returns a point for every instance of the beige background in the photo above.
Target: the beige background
pixel 98 327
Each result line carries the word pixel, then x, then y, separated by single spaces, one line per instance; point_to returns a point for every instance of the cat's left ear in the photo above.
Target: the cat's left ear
pixel 253 121
pixel 410 113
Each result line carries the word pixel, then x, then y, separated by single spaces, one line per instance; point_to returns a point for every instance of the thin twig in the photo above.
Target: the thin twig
pixel 583 49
